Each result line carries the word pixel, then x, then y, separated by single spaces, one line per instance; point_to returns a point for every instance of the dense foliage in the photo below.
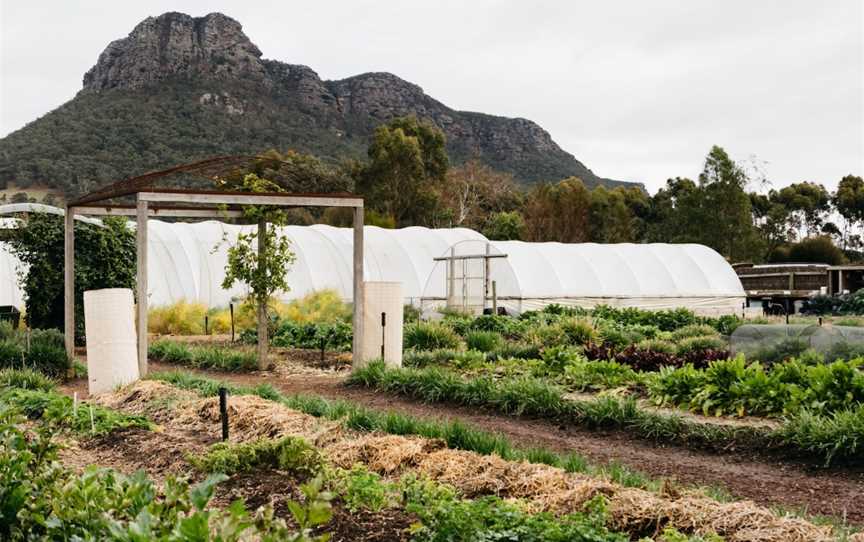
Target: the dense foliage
pixel 104 258
pixel 42 350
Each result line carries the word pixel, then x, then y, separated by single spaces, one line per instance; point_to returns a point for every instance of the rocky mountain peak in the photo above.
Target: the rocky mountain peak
pixel 175 44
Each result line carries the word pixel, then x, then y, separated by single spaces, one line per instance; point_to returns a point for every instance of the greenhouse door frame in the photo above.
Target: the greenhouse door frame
pixel 152 202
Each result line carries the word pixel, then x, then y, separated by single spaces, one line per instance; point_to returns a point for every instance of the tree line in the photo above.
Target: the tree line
pixel 407 180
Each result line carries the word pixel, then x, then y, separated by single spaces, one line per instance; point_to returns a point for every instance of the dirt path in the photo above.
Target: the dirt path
pixel 838 493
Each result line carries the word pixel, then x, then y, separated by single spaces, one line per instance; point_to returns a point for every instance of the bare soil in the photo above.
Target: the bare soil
pixel 837 492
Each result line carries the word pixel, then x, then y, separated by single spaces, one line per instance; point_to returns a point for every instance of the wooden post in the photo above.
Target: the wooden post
pixel 357 344
pixel 494 297
pixel 263 339
pixel 451 279
pixel 141 283
pixel 69 282
pixel 486 269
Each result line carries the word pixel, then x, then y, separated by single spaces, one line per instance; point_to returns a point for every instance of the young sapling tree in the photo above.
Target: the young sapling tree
pixel 260 259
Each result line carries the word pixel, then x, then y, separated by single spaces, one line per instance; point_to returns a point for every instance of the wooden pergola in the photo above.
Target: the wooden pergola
pixel 150 201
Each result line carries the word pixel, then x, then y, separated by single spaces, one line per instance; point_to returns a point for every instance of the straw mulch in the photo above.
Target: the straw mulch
pixel 385 454
pixel 552 489
pixel 544 488
pixel 251 417
pixel 150 398
pixel 637 510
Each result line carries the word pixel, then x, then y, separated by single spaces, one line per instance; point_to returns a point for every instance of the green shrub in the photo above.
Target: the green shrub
pixel 26 379
pixel 483 341
pixel 676 386
pixel 7 331
pixel 410 314
pixel 179 318
pixel 53 337
pixel 700 344
pixel 429 336
pixel 361 489
pixel 579 331
pixel 290 454
pixel 333 336
pixel 321 306
pixel 11 354
pixel 45 354
pixel 597 375
pixel 619 337
pixel 693 330
pixel 492 322
pixel 546 335
pixel 48 358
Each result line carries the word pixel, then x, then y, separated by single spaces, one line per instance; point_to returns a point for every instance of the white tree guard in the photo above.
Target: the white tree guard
pixel 112 352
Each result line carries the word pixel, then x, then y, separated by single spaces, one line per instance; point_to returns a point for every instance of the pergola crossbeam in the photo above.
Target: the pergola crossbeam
pixel 250 199
pixel 165 212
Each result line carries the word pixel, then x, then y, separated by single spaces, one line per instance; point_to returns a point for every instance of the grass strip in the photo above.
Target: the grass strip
pixel 835 438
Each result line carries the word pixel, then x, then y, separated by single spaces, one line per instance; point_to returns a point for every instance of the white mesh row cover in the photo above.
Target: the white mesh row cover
pixel 182 264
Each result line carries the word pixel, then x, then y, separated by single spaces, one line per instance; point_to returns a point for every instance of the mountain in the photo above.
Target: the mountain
pixel 180 88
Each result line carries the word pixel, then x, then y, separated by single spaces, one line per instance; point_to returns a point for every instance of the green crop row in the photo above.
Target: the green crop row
pixel 735 387
pixel 836 437
pixel 204 357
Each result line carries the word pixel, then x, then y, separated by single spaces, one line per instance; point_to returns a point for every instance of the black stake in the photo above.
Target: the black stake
pixel 231 309
pixel 383 326
pixel 223 412
pixel 206 324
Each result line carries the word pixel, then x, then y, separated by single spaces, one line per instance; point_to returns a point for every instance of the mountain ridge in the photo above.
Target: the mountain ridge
pixel 152 94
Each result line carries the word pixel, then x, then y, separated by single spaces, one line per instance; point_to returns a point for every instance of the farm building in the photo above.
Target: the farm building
pixel 456 267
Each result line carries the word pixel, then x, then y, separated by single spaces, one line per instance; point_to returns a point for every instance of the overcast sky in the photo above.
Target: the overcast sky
pixel 636 90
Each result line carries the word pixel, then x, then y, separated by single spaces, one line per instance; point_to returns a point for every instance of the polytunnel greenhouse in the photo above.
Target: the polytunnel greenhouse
pixel 437 267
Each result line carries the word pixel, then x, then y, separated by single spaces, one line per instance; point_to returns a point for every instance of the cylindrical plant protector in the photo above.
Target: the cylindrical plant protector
pixel 383 298
pixel 109 324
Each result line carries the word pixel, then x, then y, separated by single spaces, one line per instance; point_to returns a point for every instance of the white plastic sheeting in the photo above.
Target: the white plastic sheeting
pixel 187 261
pixel 651 276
